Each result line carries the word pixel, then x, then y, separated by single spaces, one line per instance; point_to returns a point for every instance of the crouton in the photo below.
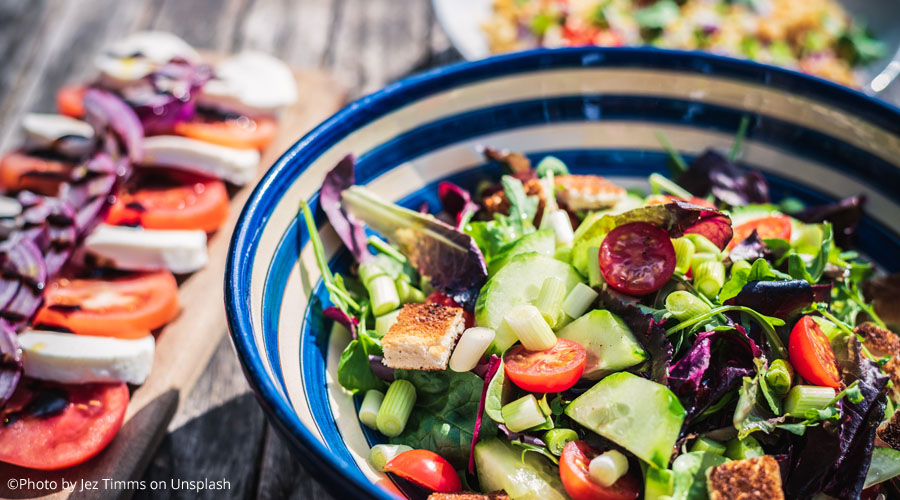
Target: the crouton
pixel 587 192
pixel 423 337
pixel 892 369
pixel 465 495
pixel 890 432
pixel 750 479
pixel 879 341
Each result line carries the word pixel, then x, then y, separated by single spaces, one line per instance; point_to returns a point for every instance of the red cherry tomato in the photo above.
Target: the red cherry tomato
pixel 84 426
pixel 21 172
pixel 553 370
pixel 128 307
pixel 441 299
pixel 426 469
pixel 242 133
pixel 573 471
pixel 637 258
pixel 775 226
pixel 195 203
pixel 70 100
pixel 811 354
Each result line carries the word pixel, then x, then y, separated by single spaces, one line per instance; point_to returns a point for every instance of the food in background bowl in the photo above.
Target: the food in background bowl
pixel 814 36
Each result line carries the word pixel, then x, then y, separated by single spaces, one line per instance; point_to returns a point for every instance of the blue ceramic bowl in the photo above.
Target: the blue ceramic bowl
pixel 598 110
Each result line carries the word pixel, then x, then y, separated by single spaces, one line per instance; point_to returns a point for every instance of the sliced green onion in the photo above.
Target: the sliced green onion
pixel 551 165
pixel 779 376
pixel 369 271
pixel 368 410
pixel 384 322
pixel 550 299
pixel 595 277
pixel 685 305
pixel 684 253
pixel 605 469
pixel 403 289
pixel 663 184
pixel 415 296
pixel 702 244
pixel 709 277
pixel 396 407
pixel 523 413
pixel 562 226
pixel 381 454
pixel 563 254
pixel 579 300
pixel 741 449
pixel 739 265
pixel 387 249
pixel 471 347
pixel 807 397
pixel 530 327
pixel 383 295
pixel 557 439
pixel 707 444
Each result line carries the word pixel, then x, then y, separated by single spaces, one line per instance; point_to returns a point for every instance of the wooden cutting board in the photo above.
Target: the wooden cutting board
pixel 183 347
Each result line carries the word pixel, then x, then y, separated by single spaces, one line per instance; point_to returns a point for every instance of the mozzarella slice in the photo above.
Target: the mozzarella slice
pixel 250 83
pixel 137 249
pixel 139 54
pixel 9 207
pixel 237 166
pixel 43 130
pixel 80 359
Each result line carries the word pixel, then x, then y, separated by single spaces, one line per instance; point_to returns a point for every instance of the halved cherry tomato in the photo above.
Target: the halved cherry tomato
pixel 20 172
pixel 573 471
pixel 426 469
pixel 198 203
pixel 553 370
pixel 775 226
pixel 245 133
pixel 128 307
pixel 661 199
pixel 70 100
pixel 637 258
pixel 811 354
pixel 70 435
pixel 441 299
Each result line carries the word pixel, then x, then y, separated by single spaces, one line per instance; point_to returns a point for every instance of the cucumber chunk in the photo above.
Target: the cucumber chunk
pixel 542 242
pixel 523 477
pixel 638 414
pixel 610 345
pixel 518 282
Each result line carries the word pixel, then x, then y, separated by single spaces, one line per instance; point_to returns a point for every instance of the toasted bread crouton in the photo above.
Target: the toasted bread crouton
pixel 892 369
pixel 879 341
pixel 890 432
pixel 750 479
pixel 587 192
pixel 497 495
pixel 423 337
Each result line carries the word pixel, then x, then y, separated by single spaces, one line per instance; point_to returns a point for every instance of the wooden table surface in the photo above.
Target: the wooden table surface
pixel 220 432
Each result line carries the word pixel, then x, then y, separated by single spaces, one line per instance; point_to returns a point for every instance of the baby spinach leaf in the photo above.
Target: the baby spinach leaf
pixel 690 474
pixel 354 371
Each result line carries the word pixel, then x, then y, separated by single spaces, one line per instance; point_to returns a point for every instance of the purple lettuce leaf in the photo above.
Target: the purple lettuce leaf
pixel 750 249
pixel 456 201
pixel 492 367
pixel 376 363
pixel 713 173
pixel 647 329
pixel 345 320
pixel 844 216
pixel 449 257
pixel 781 299
pixel 520 436
pixel 166 96
pixel 716 363
pixel 10 362
pixel 351 231
pixel 105 111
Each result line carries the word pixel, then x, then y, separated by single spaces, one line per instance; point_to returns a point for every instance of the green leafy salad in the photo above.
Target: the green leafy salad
pixel 554 336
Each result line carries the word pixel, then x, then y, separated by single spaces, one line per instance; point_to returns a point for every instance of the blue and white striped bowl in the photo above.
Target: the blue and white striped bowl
pixel 598 110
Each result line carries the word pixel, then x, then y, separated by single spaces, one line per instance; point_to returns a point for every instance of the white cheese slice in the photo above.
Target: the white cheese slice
pixel 250 83
pixel 138 249
pixel 80 359
pixel 42 130
pixel 9 207
pixel 139 54
pixel 237 166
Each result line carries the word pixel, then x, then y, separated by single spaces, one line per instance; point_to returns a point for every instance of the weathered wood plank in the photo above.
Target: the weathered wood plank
pixel 282 476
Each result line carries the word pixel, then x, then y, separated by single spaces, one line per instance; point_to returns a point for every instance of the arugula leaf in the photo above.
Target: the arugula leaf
pixel 522 208
pixel 541 450
pixel 759 271
pixel 443 419
pixel 767 323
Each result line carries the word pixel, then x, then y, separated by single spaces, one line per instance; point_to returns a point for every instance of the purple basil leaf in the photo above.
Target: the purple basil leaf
pixel 492 367
pixel 844 216
pixel 648 331
pixel 713 173
pixel 781 299
pixel 446 255
pixel 351 231
pixel 456 201
pixel 106 111
pixel 10 362
pixel 341 317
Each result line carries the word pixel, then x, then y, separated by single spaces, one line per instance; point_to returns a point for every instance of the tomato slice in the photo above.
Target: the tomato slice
pixel 196 203
pixel 426 469
pixel 441 299
pixel 70 100
pixel 811 354
pixel 775 226
pixel 553 370
pixel 81 420
pixel 128 307
pixel 243 132
pixel 637 258
pixel 20 172
pixel 573 471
